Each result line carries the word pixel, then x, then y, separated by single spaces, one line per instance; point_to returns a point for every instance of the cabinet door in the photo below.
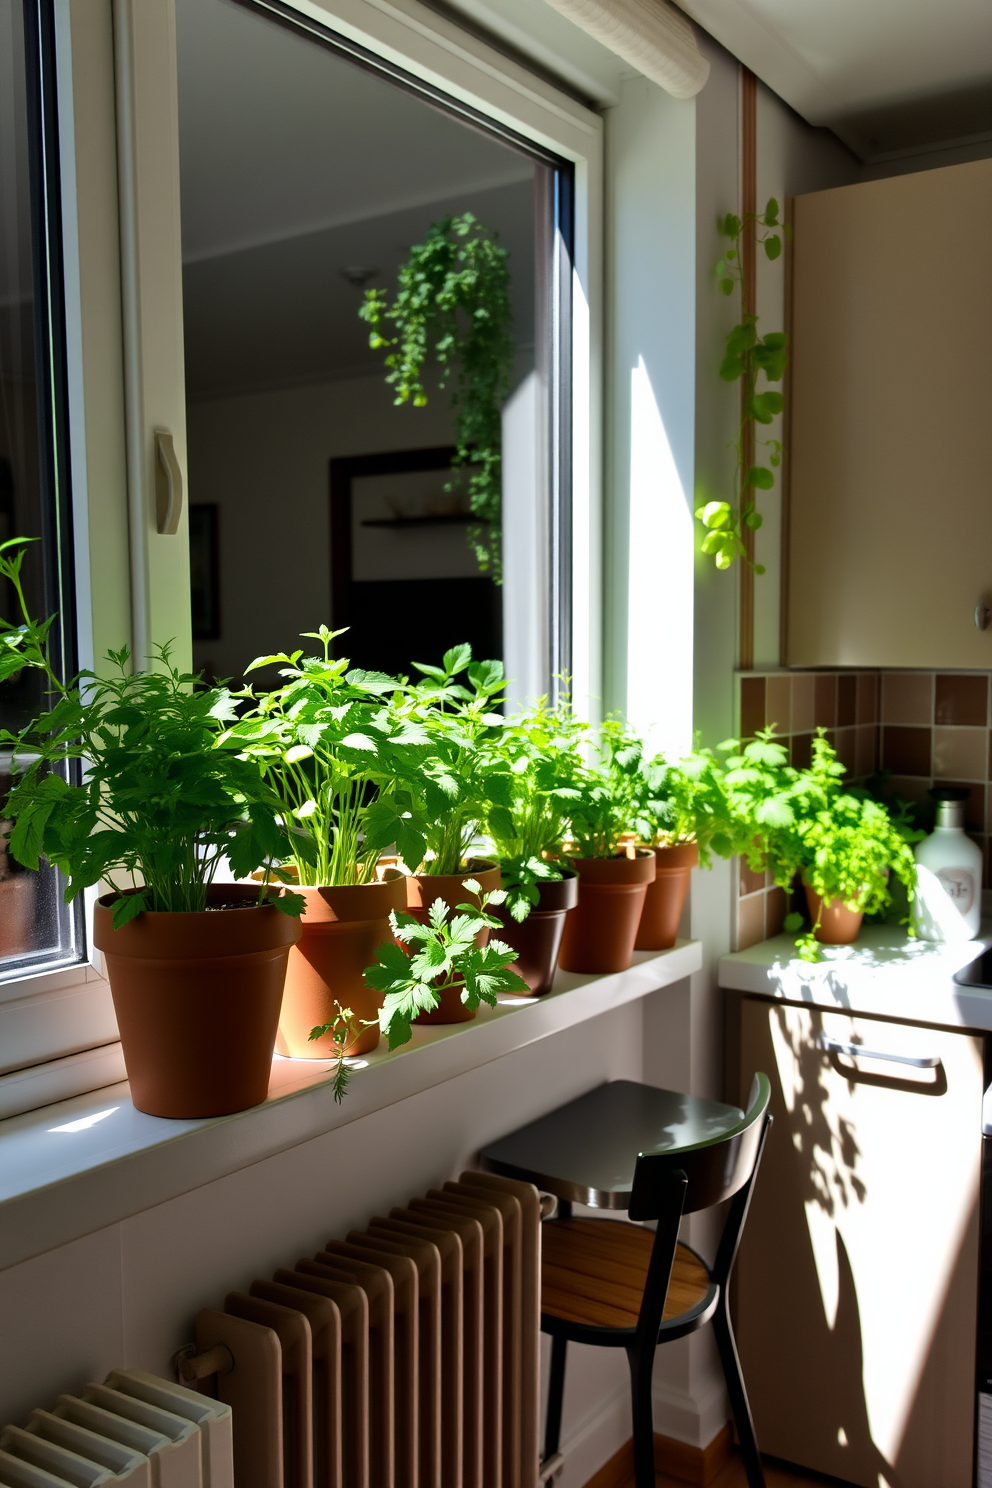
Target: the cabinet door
pixel 857 1284
pixel 891 436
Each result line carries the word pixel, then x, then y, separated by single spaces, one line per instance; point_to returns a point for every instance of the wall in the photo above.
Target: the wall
pixel 263 458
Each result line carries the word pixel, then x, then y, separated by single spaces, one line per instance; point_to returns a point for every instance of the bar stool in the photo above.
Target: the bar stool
pixel 659 1155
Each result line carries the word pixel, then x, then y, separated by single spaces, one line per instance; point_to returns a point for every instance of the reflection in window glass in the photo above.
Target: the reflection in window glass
pixel 307 181
pixel 35 926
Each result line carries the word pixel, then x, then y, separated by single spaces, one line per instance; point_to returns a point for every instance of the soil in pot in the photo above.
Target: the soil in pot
pixel 197 998
pixel 665 898
pixel 343 928
pixel 601 930
pixel 422 890
pixel 537 939
pixel 839 925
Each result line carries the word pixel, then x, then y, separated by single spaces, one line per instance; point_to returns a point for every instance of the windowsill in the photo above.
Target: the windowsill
pixel 74 1167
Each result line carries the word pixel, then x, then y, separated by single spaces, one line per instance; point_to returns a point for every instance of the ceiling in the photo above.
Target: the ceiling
pixel 296 164
pixel 887 76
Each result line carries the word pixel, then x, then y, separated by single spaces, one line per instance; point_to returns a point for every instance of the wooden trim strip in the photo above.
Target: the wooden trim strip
pixel 699 1466
pixel 749 200
pixel 785 470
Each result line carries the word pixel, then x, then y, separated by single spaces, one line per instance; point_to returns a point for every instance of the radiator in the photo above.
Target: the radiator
pixel 134 1429
pixel 404 1356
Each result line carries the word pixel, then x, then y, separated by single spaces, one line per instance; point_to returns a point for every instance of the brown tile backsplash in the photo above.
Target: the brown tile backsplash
pixel 961 698
pixel 906 751
pixel 921 728
pixel 907 697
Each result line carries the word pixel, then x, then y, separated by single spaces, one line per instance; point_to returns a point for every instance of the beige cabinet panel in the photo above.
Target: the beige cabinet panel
pixel 891 422
pixel 857 1283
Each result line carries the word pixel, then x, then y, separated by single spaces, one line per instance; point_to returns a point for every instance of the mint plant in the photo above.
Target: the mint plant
pixel 341 752
pixel 844 844
pixel 541 746
pixel 464 775
pixel 453 299
pixel 684 801
pixel 444 957
pixel 161 802
pixel 747 357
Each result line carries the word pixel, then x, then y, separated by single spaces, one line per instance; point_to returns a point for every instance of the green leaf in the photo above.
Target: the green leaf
pixel 731 368
pixel 773 246
pixel 760 477
pixel 726 286
pixel 771 213
pixel 792 923
pixel 457 659
pixel 714 514
pixel 753 520
pixel 764 406
pixel 127 908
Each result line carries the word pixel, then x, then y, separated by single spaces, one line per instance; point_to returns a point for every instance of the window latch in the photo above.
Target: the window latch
pixel 168 484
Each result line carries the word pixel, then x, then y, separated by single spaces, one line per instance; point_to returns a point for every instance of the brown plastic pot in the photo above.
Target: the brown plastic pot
pixel 601 930
pixel 343 927
pixel 839 924
pixel 537 939
pixel 422 889
pixel 665 898
pixel 197 999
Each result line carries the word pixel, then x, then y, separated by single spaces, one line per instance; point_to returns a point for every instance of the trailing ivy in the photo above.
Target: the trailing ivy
pixel 747 357
pixel 453 300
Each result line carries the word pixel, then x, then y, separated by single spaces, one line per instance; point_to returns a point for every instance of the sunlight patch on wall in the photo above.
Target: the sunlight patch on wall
pixel 660 596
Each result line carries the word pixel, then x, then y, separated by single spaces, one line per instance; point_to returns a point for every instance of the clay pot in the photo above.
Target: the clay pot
pixel 197 999
pixel 537 938
pixel 839 925
pixel 343 927
pixel 665 897
pixel 422 889
pixel 600 932
pixel 16 913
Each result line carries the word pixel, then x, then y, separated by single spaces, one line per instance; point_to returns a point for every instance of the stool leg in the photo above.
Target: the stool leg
pixel 556 1394
pixel 727 1346
pixel 641 1367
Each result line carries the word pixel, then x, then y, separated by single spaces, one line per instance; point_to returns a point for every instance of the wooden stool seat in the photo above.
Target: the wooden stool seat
pixel 594 1271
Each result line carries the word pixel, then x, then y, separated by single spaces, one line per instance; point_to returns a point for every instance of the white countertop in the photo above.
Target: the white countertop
pixel 885 974
pixel 71 1168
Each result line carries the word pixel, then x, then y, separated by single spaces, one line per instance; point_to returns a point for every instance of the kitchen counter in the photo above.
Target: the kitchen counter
pixel 885 974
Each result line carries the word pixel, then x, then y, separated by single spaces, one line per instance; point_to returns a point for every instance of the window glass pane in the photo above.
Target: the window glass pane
pixel 35 925
pixel 308 180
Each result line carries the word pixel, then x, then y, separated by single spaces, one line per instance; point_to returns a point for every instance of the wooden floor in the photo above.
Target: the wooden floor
pixel 777 1475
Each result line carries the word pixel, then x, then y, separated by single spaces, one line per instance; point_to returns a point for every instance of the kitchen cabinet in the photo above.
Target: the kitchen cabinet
pixel 857 1282
pixel 890 449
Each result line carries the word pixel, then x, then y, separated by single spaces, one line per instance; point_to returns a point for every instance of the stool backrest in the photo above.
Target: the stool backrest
pixel 715 1170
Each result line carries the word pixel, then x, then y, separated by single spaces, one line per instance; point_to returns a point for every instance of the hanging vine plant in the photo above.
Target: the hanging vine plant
pixel 747 356
pixel 453 300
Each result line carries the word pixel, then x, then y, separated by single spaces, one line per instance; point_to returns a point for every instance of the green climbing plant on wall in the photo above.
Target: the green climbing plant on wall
pixel 453 301
pixel 747 357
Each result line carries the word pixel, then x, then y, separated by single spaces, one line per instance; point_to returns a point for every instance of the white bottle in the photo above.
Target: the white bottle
pixel 948 902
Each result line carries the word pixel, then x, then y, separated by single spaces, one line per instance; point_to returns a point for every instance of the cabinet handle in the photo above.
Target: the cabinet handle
pixel 168 484
pixel 981 616
pixel 858 1051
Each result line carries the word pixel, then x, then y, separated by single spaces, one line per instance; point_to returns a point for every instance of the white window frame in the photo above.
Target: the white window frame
pixel 119 145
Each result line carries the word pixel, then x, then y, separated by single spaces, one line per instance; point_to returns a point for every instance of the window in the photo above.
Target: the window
pixel 309 171
pixel 36 927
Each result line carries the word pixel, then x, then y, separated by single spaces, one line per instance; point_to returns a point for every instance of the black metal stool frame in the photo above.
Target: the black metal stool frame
pixel 666 1187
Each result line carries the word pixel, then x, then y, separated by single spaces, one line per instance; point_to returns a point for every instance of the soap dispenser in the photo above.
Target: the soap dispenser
pixel 948 903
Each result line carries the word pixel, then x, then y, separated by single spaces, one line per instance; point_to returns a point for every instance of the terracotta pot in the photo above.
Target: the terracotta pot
pixel 665 897
pixel 422 889
pixel 197 999
pixel 537 938
pixel 343 927
pixel 839 925
pixel 16 913
pixel 600 932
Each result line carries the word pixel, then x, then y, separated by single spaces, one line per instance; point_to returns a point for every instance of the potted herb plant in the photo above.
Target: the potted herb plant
pixel 339 756
pixel 845 846
pixel 540 745
pixel 613 877
pixel 196 967
pixel 461 779
pixel 445 961
pixel 683 813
